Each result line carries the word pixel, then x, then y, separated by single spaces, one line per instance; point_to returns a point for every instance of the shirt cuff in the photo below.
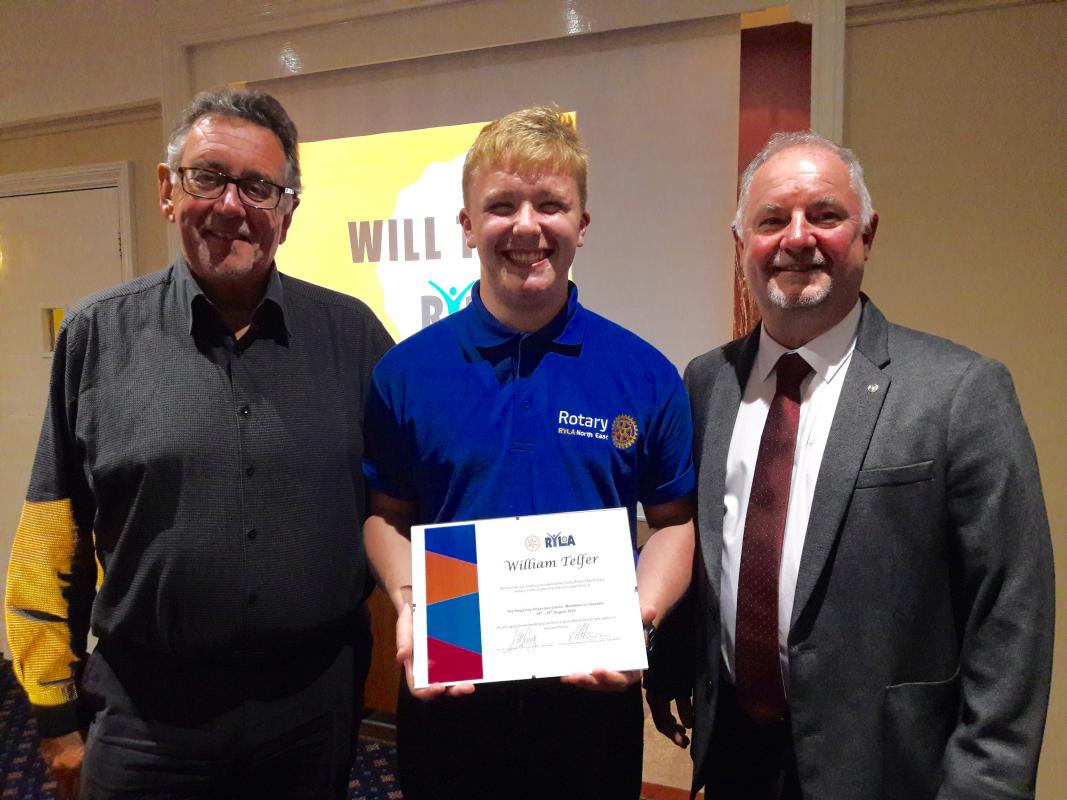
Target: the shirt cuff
pixel 376 481
pixel 58 720
pixel 684 484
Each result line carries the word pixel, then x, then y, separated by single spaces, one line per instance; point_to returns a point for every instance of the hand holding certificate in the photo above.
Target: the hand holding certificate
pixel 525 597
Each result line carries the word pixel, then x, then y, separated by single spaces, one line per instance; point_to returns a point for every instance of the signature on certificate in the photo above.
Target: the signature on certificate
pixel 521 639
pixel 584 633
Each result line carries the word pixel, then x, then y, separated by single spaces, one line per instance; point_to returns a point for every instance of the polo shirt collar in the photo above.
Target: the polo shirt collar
pixel 269 317
pixel 826 353
pixel 564 334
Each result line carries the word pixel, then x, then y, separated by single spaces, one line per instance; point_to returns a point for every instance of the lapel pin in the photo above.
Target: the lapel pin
pixel 872 387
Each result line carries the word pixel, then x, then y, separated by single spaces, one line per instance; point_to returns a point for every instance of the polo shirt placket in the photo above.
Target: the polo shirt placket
pixel 525 429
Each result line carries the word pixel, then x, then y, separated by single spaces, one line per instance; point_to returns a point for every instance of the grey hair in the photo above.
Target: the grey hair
pixel 787 141
pixel 251 105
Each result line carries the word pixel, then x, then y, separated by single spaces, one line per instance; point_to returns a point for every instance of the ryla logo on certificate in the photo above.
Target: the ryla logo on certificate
pixel 525 597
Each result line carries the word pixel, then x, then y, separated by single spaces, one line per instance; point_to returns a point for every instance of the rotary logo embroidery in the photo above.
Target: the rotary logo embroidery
pixel 623 431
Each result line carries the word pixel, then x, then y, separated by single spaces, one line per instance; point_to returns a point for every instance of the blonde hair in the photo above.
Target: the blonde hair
pixel 538 138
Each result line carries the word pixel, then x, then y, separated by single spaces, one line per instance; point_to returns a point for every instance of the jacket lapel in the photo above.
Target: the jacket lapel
pixel 721 412
pixel 866 384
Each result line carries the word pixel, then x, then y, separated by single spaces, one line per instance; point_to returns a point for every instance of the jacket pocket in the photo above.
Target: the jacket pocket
pixel 895 476
pixel 917 720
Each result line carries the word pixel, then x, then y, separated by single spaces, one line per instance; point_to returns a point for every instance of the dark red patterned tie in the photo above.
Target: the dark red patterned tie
pixel 757 668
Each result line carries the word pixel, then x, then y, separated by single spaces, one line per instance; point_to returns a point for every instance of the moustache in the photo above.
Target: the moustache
pixel 783 261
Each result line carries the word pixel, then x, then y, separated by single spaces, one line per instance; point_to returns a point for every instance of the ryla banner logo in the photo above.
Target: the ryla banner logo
pixel 378 219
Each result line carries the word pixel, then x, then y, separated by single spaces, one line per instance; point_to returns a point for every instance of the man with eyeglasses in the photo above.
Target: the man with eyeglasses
pixel 202 443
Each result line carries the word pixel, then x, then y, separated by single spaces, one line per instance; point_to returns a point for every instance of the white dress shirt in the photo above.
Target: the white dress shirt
pixel 829 356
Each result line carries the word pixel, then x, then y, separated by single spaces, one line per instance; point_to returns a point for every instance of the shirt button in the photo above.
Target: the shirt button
pixel 252 534
pixel 525 403
pixel 245 411
pixel 250 470
pixel 252 598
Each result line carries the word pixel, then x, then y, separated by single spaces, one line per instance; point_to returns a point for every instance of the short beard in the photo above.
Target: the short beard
pixel 779 298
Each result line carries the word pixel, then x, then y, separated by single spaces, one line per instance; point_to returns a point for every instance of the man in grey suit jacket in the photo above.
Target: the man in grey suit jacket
pixel 914 564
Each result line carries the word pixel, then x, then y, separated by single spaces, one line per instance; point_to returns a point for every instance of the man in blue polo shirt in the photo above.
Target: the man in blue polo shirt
pixel 526 403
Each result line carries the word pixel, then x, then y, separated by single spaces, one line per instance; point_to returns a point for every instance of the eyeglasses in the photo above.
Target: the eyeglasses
pixel 254 193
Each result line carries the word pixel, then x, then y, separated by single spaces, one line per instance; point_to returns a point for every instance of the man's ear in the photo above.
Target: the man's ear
pixel 166 192
pixel 468 229
pixel 288 218
pixel 868 236
pixel 582 225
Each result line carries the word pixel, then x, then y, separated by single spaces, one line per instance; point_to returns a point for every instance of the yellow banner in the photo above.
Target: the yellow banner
pixel 378 220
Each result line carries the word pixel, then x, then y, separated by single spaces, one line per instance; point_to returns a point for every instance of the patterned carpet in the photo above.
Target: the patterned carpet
pixel 22 776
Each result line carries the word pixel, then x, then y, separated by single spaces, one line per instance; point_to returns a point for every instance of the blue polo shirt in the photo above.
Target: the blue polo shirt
pixel 469 419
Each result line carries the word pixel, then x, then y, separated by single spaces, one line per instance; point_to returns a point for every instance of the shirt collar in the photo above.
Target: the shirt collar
pixel 563 335
pixel 826 353
pixel 187 290
pixel 269 317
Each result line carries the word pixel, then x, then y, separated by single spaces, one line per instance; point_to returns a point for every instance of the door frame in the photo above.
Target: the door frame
pixel 109 175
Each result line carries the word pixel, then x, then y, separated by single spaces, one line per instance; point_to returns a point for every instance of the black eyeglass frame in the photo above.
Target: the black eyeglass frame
pixel 240 183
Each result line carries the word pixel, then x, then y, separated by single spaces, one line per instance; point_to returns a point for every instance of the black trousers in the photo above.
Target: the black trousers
pixel 276 727
pixel 749 761
pixel 536 740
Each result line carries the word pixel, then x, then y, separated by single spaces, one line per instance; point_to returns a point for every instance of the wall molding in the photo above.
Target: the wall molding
pixel 237 22
pixel 109 175
pixel 333 34
pixel 902 10
pixel 82 120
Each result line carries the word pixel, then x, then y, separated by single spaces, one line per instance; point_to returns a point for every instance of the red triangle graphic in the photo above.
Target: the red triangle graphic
pixel 451 663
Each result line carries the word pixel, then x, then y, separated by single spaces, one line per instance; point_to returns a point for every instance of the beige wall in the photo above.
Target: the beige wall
pixel 139 141
pixel 959 121
pixel 78 56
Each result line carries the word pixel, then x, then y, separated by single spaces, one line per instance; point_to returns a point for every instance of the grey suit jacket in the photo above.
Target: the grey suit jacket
pixel 920 646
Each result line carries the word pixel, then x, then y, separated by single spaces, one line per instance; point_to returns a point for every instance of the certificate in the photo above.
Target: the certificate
pixel 525 597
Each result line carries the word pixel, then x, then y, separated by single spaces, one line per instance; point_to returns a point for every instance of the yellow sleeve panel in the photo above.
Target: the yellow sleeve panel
pixel 35 609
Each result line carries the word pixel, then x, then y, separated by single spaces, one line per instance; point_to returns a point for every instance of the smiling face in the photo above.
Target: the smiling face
pixel 526 227
pixel 802 245
pixel 229 247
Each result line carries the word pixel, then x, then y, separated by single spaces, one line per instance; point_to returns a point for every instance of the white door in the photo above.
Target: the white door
pixel 55 248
